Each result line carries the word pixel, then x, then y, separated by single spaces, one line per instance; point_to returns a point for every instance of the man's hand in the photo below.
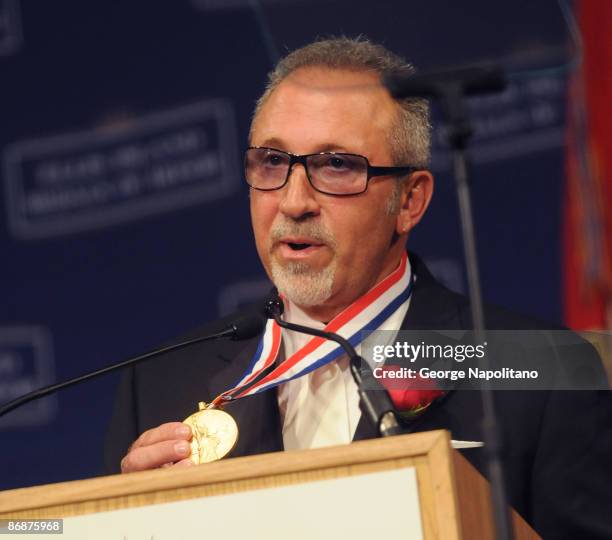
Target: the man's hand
pixel 164 446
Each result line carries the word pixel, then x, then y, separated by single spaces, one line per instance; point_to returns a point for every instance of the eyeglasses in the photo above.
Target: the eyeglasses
pixel 332 173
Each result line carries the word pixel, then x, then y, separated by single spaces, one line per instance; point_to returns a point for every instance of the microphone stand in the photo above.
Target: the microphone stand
pixel 240 329
pixel 450 88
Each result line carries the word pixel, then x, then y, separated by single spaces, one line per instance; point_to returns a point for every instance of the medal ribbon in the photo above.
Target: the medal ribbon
pixel 367 313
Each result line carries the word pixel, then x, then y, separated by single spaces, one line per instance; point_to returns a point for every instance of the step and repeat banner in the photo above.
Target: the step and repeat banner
pixel 125 214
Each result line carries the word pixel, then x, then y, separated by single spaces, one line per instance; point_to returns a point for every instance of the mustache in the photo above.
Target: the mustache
pixel 311 229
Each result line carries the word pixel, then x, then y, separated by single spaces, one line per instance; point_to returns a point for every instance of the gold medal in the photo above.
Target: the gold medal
pixel 214 434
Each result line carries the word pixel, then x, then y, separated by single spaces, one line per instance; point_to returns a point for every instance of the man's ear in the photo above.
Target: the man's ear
pixel 416 194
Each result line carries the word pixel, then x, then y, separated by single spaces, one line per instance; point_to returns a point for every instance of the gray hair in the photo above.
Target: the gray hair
pixel 410 136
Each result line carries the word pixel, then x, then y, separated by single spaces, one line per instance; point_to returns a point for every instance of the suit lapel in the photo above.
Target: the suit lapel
pixel 432 307
pixel 257 416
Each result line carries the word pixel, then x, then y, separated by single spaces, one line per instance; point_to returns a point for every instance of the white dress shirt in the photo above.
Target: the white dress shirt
pixel 322 407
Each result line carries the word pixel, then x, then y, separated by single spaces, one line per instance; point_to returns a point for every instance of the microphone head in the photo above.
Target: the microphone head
pixel 248 326
pixel 273 306
pixel 483 78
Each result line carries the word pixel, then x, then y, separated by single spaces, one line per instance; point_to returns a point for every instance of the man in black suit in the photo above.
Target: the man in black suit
pixel 338 176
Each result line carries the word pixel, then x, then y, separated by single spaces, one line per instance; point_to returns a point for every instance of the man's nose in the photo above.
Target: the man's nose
pixel 298 197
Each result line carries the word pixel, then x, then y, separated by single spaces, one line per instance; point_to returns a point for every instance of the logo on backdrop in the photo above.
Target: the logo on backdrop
pixel 146 166
pixel 527 118
pixel 26 363
pixel 10 27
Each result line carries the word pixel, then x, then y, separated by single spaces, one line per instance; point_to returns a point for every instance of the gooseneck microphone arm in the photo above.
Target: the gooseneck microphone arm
pixel 374 399
pixel 242 328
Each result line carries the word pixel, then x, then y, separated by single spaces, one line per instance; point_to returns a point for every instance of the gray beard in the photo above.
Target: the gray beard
pixel 302 285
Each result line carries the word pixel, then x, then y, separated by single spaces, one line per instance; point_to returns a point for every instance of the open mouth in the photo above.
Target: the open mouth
pixel 298 247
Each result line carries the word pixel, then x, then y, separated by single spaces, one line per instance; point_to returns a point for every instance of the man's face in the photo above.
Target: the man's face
pixel 349 239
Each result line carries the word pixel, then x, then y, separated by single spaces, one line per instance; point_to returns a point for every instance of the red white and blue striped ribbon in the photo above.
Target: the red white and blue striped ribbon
pixel 364 315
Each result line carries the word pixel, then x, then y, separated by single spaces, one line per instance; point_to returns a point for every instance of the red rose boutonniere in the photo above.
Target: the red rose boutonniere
pixel 411 396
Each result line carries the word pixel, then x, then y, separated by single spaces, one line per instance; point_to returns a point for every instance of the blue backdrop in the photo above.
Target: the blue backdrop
pixel 125 216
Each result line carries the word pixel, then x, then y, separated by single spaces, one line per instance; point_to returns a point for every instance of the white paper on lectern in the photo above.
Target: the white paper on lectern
pixel 360 507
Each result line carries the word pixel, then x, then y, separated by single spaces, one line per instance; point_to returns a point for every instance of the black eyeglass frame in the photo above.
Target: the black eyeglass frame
pixel 372 170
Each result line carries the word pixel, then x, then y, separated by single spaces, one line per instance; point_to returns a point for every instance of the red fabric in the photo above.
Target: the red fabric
pixel 409 394
pixel 588 207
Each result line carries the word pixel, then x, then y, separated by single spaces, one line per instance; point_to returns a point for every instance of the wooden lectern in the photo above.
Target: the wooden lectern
pixel 253 493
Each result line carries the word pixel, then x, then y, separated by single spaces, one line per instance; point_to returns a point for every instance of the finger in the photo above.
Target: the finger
pixel 155 455
pixel 165 432
pixel 183 463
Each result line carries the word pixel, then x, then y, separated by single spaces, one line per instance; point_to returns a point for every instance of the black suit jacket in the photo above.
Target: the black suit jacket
pixel 557 446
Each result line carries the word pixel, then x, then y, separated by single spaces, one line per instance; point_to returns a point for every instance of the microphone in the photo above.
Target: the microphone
pixel 476 79
pixel 244 327
pixel 374 399
pixel 450 86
